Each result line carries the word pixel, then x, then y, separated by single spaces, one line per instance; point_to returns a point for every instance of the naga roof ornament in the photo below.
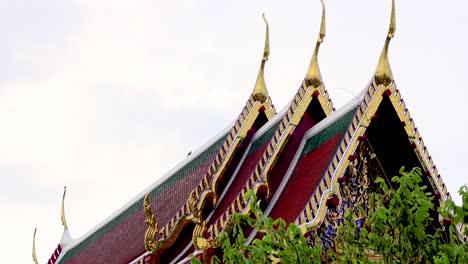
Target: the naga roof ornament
pixel 152 234
pixel 34 247
pixel 62 217
pixel 260 92
pixel 314 77
pixel 66 237
pixel 383 74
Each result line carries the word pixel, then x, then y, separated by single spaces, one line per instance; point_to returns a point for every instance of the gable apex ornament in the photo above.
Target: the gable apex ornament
pixel 34 247
pixel 260 92
pixel 314 77
pixel 383 74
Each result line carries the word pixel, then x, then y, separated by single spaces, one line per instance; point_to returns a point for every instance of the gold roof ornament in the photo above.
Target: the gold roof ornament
pixel 383 74
pixel 152 235
pixel 260 92
pixel 34 247
pixel 62 217
pixel 66 237
pixel 314 77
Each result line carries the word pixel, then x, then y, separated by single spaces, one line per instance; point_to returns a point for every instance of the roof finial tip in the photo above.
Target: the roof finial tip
pixel 383 74
pixel 64 221
pixel 260 92
pixel 34 247
pixel 314 77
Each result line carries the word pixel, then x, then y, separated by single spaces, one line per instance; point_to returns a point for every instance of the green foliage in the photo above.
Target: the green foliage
pixel 456 216
pixel 399 228
pixel 398 231
pixel 278 241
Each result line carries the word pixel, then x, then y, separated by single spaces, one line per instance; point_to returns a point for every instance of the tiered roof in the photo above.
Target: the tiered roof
pixel 306 147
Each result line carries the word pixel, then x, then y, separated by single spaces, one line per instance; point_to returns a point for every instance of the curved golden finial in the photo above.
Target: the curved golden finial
pixel 314 77
pixel 260 92
pixel 34 247
pixel 152 235
pixel 383 74
pixel 64 221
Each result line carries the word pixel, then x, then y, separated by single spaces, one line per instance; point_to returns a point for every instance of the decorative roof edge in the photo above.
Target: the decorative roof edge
pixel 259 178
pixel 308 135
pixel 314 212
pixel 319 127
pixel 259 101
pixel 142 194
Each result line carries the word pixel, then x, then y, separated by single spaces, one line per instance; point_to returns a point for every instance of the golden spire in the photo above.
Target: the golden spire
pixel 260 92
pixel 34 247
pixel 314 77
pixel 64 221
pixel 383 74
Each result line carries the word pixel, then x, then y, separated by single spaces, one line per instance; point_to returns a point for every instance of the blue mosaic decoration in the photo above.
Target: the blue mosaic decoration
pixel 356 186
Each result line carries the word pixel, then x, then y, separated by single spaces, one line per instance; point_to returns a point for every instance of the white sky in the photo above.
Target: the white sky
pixel 106 96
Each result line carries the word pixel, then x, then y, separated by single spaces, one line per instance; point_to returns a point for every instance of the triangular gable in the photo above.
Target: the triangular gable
pixel 382 92
pixel 314 212
pixel 311 160
pixel 257 110
pixel 259 177
pixel 169 196
pixel 311 93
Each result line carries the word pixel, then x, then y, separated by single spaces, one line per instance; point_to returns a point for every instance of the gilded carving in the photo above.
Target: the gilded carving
pixel 153 234
pixel 355 190
pixel 199 239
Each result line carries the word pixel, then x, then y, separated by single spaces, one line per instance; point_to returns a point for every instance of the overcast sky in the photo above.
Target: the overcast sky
pixel 105 96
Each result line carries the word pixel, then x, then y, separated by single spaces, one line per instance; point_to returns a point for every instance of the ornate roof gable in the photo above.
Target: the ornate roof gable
pixel 382 87
pixel 312 88
pixel 259 102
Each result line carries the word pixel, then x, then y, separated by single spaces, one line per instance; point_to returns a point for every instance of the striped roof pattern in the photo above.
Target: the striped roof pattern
pixel 235 136
pixel 313 213
pixel 313 157
pixel 258 178
pixel 135 210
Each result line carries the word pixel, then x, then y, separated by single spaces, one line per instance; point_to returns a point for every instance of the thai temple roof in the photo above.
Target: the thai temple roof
pixel 306 146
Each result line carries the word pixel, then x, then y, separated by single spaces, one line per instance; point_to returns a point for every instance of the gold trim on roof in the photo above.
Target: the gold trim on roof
pixel 62 217
pixel 260 93
pixel 152 234
pixel 312 87
pixel 383 74
pixel 314 212
pixel 314 77
pixel 258 102
pixel 34 247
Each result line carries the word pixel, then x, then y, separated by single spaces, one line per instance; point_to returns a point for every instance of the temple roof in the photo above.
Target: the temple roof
pixel 195 178
pixel 306 146
pixel 127 224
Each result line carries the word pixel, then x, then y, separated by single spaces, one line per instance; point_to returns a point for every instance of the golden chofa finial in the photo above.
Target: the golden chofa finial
pixel 260 92
pixel 314 77
pixel 384 75
pixel 64 221
pixel 34 247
